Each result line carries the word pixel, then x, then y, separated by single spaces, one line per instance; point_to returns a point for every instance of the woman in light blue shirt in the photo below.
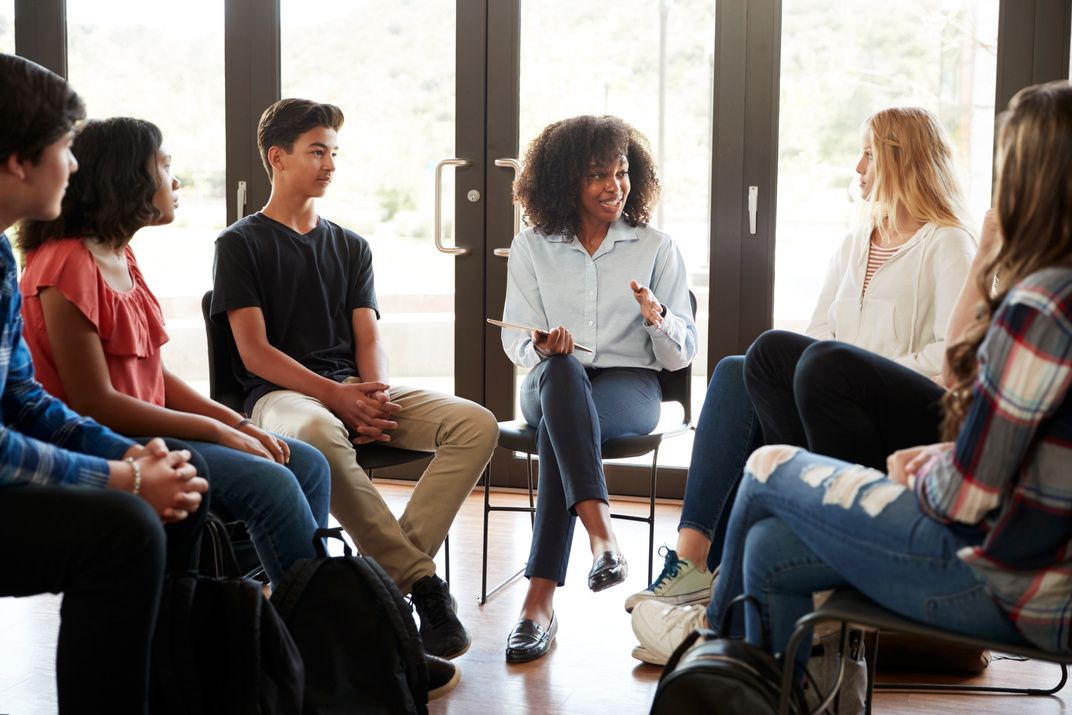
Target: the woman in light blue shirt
pixel 589 270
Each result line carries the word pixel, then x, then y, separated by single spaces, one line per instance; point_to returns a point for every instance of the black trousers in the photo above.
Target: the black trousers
pixel 839 400
pixel 107 552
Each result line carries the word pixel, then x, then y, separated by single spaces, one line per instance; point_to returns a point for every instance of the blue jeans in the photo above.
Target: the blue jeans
pixel 282 506
pixel 727 431
pixel 576 409
pixel 811 523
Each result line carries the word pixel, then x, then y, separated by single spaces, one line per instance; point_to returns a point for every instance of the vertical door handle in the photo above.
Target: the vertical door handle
pixel 753 206
pixel 517 207
pixel 438 228
pixel 241 200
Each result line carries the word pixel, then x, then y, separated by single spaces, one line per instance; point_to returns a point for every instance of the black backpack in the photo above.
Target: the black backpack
pixel 219 645
pixel 711 674
pixel 356 635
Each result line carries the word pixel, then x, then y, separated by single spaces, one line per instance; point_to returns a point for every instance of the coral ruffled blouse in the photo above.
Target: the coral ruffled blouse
pixel 130 324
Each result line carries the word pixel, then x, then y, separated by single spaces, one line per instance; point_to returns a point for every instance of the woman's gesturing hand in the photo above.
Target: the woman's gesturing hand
pixel 650 307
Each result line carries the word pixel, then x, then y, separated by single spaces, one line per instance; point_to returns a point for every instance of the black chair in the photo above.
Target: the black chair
pixel 851 608
pixel 225 388
pixel 519 436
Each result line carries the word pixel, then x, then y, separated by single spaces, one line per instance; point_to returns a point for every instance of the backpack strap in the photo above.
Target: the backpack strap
pixel 401 618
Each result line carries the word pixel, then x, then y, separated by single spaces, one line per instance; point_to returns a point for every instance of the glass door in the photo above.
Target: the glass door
pixel 649 62
pixel 838 66
pixel 131 58
pixel 394 80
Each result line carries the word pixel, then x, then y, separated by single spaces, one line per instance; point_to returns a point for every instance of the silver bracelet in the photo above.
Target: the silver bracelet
pixel 137 474
pixel 243 422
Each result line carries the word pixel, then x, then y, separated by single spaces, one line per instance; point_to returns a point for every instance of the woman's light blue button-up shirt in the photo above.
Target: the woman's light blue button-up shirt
pixel 552 281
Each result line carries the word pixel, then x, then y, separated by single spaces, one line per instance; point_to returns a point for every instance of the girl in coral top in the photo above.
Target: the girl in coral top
pixel 95 331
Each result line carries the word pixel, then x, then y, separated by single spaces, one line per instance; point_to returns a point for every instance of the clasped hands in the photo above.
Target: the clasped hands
pixel 168 481
pixel 560 342
pixel 365 408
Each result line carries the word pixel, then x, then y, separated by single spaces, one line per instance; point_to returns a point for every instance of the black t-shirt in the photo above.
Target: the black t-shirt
pixel 307 286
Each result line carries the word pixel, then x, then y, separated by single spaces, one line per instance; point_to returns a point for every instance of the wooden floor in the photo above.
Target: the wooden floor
pixel 588 670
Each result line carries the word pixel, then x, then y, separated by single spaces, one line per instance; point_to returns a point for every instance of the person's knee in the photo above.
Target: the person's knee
pixel 129 528
pixel 560 367
pixel 479 427
pixel 822 366
pixel 728 368
pixel 324 432
pixel 765 352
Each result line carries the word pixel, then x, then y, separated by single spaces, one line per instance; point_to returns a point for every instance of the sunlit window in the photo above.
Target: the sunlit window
pixel 394 80
pixel 128 57
pixel 7 27
pixel 842 62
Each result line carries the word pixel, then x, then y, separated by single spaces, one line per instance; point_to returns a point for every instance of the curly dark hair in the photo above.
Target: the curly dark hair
pixel 110 197
pixel 557 161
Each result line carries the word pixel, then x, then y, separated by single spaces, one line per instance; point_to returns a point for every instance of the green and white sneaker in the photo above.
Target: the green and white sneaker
pixel 680 583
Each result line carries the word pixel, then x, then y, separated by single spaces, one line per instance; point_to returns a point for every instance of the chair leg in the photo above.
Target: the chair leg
pixel 446 557
pixel 976 688
pixel 484 593
pixel 532 503
pixel 484 558
pixel 651 513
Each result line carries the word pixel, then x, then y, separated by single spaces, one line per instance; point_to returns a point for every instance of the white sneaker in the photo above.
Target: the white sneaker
pixel 661 628
pixel 680 583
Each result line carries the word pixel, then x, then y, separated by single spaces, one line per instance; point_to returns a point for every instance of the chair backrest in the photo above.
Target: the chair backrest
pixel 223 385
pixel 677 384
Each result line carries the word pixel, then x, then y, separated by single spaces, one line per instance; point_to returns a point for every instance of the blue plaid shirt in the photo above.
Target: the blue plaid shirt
pixel 1010 472
pixel 41 440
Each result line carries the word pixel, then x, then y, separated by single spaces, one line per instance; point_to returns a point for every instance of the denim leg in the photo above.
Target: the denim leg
pixel 853 526
pixel 282 506
pixel 727 431
pixel 860 407
pixel 574 414
pixel 769 373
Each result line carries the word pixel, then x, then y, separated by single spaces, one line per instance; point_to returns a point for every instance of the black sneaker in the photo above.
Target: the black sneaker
pixel 442 676
pixel 441 631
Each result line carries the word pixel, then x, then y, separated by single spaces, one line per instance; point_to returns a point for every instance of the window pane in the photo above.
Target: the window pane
pixel 612 66
pixel 839 65
pixel 393 78
pixel 7 27
pixel 132 58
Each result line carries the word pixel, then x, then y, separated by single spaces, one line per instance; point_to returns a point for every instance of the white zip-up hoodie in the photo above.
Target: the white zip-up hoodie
pixel 904 314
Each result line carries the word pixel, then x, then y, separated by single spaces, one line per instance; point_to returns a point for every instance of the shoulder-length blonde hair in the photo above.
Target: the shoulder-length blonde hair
pixel 914 167
pixel 1034 204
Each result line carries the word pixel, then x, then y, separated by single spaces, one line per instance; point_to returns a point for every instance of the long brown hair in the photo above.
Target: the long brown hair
pixel 1034 204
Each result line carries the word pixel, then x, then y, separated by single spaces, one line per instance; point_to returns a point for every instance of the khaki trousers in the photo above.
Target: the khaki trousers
pixel 461 433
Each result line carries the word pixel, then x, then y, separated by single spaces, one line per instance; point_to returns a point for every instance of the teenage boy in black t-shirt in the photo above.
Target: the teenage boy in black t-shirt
pixel 298 291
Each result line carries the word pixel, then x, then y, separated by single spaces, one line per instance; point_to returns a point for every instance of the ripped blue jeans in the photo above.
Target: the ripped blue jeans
pixel 803 523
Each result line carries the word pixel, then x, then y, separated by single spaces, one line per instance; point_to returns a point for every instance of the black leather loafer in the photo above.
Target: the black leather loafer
pixel 529 640
pixel 608 570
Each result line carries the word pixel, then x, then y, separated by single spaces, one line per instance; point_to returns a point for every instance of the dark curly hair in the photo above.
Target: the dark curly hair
pixel 557 161
pixel 110 197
